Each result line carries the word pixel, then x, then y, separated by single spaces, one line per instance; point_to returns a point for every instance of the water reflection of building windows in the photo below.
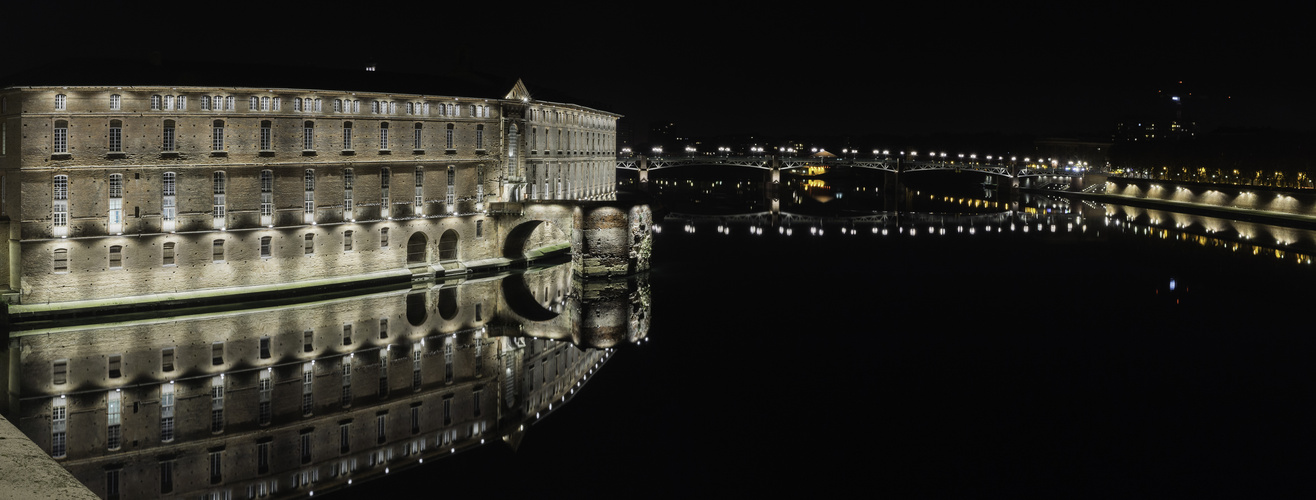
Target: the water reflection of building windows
pixel 263 456
pixel 344 438
pixel 167 359
pixel 383 372
pixel 59 427
pixel 113 420
pixel 266 386
pixel 415 367
pixel 113 365
pixel 216 467
pixel 166 476
pixel 447 360
pixel 381 429
pixel 415 417
pixel 217 403
pixel 307 402
pixel 306 445
pixel 307 337
pixel 112 484
pixel 447 410
pixel 60 372
pixel 347 382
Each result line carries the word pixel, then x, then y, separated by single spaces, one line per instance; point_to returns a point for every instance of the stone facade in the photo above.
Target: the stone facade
pixel 113 192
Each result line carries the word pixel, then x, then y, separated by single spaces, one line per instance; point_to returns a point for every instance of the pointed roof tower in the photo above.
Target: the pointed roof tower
pixel 518 92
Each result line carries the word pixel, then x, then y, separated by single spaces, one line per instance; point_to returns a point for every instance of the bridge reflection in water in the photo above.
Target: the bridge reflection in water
pixel 315 396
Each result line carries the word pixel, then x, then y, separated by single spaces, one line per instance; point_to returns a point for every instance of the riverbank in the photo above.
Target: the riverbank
pixel 1245 203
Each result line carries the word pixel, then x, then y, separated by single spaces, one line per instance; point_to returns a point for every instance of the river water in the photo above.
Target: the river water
pixel 934 340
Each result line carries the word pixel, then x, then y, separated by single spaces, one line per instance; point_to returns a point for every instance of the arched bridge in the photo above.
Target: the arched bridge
pixel 776 164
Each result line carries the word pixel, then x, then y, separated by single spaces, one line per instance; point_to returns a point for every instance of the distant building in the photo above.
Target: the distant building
pixel 117 191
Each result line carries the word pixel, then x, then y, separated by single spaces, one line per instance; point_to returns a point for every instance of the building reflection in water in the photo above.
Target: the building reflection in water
pixel 315 396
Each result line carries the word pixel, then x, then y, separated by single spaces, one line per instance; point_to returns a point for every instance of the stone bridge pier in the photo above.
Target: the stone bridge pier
pixel 610 238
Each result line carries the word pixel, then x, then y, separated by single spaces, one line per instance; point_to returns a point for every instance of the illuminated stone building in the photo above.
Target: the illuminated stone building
pixel 109 192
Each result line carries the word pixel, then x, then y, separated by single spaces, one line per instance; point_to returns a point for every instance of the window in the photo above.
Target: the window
pixel 58 427
pixel 383 372
pixel 416 144
pixel 167 476
pixel 419 198
pixel 217 253
pixel 167 251
pixel 347 379
pixel 113 419
pixel 205 102
pixel 254 104
pixel 383 329
pixel 115 101
pixel 264 348
pixel 60 206
pixel 415 367
pixel 168 103
pixel 349 177
pixel 347 241
pixel 116 136
pixel 182 103
pixel 306 447
pixel 383 136
pixel 60 102
pixel 479 137
pixel 116 257
pixel 338 105
pixel 265 104
pixel 381 428
pixel 447 136
pixel 217 403
pixel 216 353
pixel 347 136
pixel 307 402
pixel 168 136
pixel 267 197
pixel 167 359
pixel 276 103
pixel 167 412
pixel 308 136
pixel 266 136
pixel 217 136
pixel 479 230
pixel 451 195
pixel 310 244
pixel 60 372
pixel 415 418
pixel 262 457
pixel 116 204
pixel 168 205
pixel 479 183
pixel 216 467
pixel 266 391
pixel 308 205
pixel 344 438
pixel 219 205
pixel 383 237
pixel 60 139
pixel 383 192
pixel 114 365
pixel 228 103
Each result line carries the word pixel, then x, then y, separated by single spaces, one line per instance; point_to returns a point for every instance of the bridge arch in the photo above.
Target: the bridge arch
pixel 527 238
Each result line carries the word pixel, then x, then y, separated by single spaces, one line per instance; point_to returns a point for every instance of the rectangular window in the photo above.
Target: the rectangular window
pixel 58 427
pixel 116 257
pixel 381 430
pixel 383 237
pixel 349 178
pixel 307 338
pixel 447 137
pixel 308 136
pixel 266 136
pixel 113 407
pixel 114 365
pixel 383 372
pixel 167 412
pixel 264 348
pixel 416 144
pixel 217 251
pixel 306 447
pixel 168 135
pixel 344 438
pixel 217 404
pixel 383 192
pixel 308 202
pixel 216 353
pixel 419 198
pixel 60 206
pixel 112 484
pixel 219 206
pixel 347 334
pixel 267 197
pixel 310 244
pixel 182 103
pixel 479 229
pixel 116 136
pixel 115 101
pixel 383 136
pixel 265 104
pixel 60 372
pixel 346 400
pixel 167 254
pixel 451 195
pixel 265 247
pixel 216 467
pixel 168 205
pixel 383 328
pixel 167 359
pixel 166 476
pixel 262 458
pixel 266 399
pixel 60 102
pixel 347 136
pixel 217 136
pixel 307 403
pixel 116 204
pixel 347 241
pixel 61 137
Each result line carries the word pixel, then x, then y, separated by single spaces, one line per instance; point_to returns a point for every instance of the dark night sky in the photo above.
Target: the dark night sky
pixel 1055 70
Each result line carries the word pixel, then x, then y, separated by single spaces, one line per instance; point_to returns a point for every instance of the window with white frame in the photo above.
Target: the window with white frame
pixel 451 195
pixel 167 412
pixel 205 102
pixel 266 135
pixel 349 178
pixel 217 403
pixel 219 206
pixel 383 136
pixel 384 178
pixel 169 103
pixel 113 419
pixel 419 198
pixel 479 137
pixel 217 136
pixel 167 134
pixel 253 103
pixel 264 103
pixel 58 427
pixel 308 136
pixel 415 139
pixel 60 138
pixel 447 136
pixel 266 397
pixel 347 136
pixel 116 204
pixel 60 205
pixel 266 197
pixel 308 205
pixel 182 103
pixel 61 102
pixel 168 202
pixel 115 102
pixel 308 404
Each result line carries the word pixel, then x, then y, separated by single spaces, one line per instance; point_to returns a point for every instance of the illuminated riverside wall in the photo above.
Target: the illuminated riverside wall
pixel 1297 202
pixel 286 400
pixel 109 192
